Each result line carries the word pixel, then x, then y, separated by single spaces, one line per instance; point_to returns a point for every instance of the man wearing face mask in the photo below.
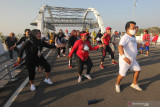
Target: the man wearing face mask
pixel 128 49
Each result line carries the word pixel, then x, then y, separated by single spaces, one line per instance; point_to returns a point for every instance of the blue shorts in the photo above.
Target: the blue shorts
pixel 146 48
pixel 141 48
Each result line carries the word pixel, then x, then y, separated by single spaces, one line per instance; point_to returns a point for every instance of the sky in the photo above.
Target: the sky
pixel 16 15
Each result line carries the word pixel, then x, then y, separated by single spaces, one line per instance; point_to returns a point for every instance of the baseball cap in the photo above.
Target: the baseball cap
pixel 108 28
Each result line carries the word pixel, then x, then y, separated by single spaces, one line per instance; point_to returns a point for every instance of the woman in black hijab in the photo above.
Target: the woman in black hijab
pixel 34 57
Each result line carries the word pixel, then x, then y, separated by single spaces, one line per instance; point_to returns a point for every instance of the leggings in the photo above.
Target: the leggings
pixel 32 65
pixel 11 52
pixel 81 64
pixel 59 49
pixel 109 50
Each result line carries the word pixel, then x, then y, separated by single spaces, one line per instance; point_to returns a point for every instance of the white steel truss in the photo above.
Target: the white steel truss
pixel 67 17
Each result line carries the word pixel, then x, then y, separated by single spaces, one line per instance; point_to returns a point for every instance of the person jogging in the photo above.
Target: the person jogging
pixel 34 57
pixel 128 49
pixel 146 39
pixel 82 48
pixel 106 38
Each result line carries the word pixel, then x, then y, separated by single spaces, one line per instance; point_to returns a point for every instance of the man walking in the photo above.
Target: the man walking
pixel 127 56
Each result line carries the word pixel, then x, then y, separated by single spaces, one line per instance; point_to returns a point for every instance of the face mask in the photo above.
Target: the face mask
pixel 132 32
pixel 86 48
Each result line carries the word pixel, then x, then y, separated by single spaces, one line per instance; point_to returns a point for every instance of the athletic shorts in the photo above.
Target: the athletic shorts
pixel 124 67
pixel 146 48
pixel 141 48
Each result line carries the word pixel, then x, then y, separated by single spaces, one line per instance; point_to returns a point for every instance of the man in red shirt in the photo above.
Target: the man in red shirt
pixel 82 48
pixel 146 40
pixel 106 38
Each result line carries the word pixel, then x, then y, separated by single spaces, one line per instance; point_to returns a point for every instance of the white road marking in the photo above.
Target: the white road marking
pixel 14 96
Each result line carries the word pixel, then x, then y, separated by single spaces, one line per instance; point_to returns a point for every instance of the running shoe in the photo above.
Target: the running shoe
pixel 70 66
pixel 146 55
pixel 48 81
pixel 101 65
pixel 33 88
pixel 88 76
pixel 118 90
pixel 114 63
pixel 136 87
pixel 80 79
pixel 63 54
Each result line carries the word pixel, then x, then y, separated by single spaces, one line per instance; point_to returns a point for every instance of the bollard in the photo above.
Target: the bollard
pixel 9 73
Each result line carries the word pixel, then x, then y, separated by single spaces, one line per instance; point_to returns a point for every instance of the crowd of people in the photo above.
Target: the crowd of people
pixel 78 44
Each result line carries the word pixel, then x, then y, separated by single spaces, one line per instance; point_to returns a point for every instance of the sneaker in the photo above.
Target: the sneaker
pixel 114 63
pixel 61 50
pixel 63 54
pixel 12 60
pixel 109 56
pixel 136 87
pixel 70 66
pixel 146 55
pixel 58 56
pixel 80 79
pixel 88 76
pixel 118 90
pixel 101 65
pixel 48 81
pixel 33 88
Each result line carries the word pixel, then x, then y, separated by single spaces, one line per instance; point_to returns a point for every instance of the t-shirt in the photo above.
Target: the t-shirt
pixel 107 39
pixel 146 38
pixel 129 46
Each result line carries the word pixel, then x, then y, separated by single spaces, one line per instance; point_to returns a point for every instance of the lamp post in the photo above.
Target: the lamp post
pixel 134 7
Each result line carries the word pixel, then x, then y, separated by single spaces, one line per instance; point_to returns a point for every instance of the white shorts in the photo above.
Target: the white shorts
pixel 124 67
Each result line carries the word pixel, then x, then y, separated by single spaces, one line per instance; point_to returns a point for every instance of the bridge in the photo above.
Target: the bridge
pixel 50 17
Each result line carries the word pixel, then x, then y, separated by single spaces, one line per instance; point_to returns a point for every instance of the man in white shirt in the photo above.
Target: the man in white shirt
pixel 127 56
pixel 66 35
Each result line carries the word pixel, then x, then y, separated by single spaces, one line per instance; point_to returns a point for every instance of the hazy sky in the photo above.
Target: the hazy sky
pixel 16 15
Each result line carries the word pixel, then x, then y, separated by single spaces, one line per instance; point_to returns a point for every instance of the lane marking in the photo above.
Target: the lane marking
pixel 14 96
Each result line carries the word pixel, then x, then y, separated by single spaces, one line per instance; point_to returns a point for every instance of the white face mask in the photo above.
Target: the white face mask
pixel 86 48
pixel 132 32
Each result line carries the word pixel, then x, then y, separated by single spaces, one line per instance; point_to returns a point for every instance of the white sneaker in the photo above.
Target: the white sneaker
pixel 136 87
pixel 88 76
pixel 48 81
pixel 63 54
pixel 118 90
pixel 33 88
pixel 80 79
pixel 12 60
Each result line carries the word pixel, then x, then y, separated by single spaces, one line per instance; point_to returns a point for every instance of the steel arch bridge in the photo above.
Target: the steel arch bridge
pixel 67 17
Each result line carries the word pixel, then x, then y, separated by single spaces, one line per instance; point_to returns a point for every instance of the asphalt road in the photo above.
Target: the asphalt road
pixel 67 92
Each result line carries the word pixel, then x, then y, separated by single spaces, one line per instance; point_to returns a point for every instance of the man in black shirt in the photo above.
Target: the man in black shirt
pixel 10 42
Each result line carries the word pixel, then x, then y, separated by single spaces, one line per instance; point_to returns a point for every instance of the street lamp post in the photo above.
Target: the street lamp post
pixel 134 7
